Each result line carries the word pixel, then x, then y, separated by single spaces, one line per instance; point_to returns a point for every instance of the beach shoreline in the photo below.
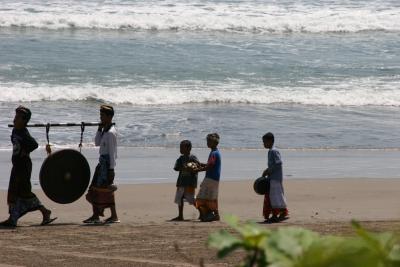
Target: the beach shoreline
pixel 136 165
pixel 309 200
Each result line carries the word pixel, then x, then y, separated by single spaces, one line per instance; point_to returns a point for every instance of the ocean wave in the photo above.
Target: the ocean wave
pixel 246 16
pixel 351 92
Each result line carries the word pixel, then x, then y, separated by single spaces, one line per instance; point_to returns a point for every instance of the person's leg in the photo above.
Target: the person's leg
pixel 216 212
pixel 201 205
pixel 179 196
pixel 180 208
pixel 180 211
pixel 19 176
pixel 114 216
pixel 283 214
pixel 95 218
pixel 45 213
pixel 267 208
pixel 96 213
pixel 11 221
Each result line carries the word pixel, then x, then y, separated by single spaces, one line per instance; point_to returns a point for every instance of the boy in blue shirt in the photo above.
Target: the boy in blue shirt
pixel 274 200
pixel 207 198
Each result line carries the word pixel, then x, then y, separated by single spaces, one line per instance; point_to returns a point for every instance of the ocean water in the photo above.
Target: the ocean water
pixel 319 74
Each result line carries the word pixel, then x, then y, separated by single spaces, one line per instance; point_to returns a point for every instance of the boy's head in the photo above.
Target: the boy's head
pixel 185 147
pixel 106 114
pixel 22 117
pixel 212 140
pixel 268 140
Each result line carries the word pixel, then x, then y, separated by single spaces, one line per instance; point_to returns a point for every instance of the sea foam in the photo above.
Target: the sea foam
pixel 241 16
pixel 350 92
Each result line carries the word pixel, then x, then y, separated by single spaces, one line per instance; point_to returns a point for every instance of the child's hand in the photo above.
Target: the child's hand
pixel 192 166
pixel 48 149
pixel 266 173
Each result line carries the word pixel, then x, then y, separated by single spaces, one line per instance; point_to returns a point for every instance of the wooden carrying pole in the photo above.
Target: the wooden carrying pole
pixel 49 125
pixel 61 124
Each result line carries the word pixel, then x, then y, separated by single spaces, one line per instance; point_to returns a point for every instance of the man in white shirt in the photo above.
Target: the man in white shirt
pixel 101 191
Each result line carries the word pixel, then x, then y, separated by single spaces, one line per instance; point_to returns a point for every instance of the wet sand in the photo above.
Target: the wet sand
pixel 146 238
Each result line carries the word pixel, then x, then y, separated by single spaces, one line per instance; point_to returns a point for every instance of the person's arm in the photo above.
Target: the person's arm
pixel 178 165
pixel 30 143
pixel 195 160
pixel 276 161
pixel 48 149
pixel 210 164
pixel 112 148
pixel 197 163
pixel 97 138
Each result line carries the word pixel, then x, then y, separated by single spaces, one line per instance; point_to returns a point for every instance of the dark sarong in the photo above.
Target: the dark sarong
pixel 268 210
pixel 20 198
pixel 101 197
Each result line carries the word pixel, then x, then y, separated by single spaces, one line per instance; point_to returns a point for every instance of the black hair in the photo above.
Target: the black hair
pixel 269 137
pixel 214 137
pixel 25 112
pixel 107 109
pixel 186 143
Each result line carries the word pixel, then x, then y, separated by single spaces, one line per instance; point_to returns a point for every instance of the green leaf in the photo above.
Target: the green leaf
pixel 289 243
pixel 222 239
pixel 248 229
pixel 298 247
pixel 379 244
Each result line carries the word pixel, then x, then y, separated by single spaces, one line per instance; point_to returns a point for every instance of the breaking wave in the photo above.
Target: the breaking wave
pixel 244 16
pixel 351 92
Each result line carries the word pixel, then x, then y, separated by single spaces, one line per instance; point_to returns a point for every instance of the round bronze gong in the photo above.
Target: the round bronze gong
pixel 65 176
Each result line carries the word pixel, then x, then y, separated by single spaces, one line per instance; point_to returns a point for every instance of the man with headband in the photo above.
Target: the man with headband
pixel 102 188
pixel 20 198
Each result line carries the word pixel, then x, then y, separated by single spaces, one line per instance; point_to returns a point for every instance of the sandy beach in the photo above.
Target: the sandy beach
pixel 322 76
pixel 322 188
pixel 146 238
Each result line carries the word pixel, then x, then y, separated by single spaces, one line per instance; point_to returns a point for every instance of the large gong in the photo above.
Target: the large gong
pixel 65 176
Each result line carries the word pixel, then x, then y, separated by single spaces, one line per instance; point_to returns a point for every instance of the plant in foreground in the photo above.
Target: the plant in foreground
pixel 299 247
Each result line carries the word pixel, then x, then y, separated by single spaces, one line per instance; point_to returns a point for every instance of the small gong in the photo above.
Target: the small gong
pixel 261 185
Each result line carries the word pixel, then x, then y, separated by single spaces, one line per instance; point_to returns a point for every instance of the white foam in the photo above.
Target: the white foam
pixel 245 16
pixel 351 92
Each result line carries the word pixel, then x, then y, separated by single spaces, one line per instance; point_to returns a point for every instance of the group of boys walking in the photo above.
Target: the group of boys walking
pixel 274 208
pixel 21 199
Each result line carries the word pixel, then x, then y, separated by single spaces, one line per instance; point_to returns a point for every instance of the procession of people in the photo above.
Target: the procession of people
pixel 101 192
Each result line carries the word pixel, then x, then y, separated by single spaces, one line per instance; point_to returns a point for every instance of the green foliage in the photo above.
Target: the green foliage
pixel 299 247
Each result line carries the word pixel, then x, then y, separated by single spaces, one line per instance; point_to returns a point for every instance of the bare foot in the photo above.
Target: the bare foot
pixel 92 220
pixel 112 220
pixel 47 217
pixel 177 219
pixel 8 224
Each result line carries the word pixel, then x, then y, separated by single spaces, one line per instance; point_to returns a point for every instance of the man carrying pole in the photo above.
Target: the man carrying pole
pixel 101 190
pixel 20 198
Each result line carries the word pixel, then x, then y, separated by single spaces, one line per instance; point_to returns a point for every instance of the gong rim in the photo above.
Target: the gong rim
pixel 64 176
